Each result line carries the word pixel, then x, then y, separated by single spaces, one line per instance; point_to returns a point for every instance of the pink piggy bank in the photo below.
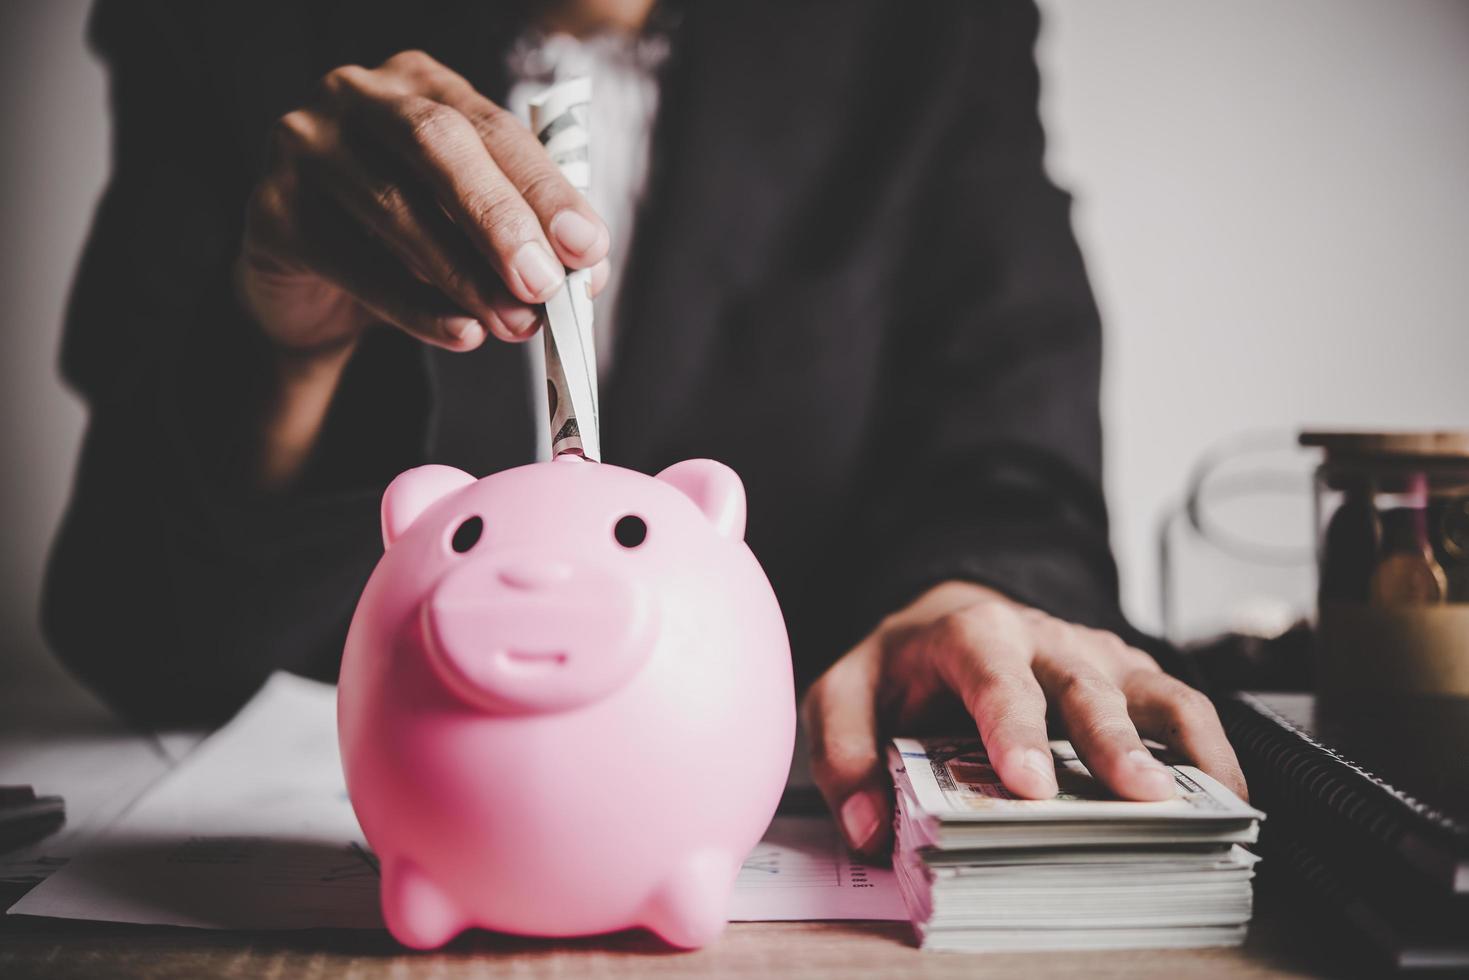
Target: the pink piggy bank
pixel 566 704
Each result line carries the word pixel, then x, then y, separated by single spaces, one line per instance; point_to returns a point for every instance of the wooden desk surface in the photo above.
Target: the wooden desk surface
pixel 1278 947
pixel 1280 943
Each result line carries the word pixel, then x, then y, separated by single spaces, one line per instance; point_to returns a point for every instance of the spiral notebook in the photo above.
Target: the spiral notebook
pixel 1369 815
pixel 1392 782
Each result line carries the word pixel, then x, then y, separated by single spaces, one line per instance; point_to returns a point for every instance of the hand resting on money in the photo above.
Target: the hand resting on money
pixel 400 195
pixel 962 656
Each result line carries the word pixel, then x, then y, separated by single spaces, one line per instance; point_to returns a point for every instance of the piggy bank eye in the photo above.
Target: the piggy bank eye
pixel 630 531
pixel 466 535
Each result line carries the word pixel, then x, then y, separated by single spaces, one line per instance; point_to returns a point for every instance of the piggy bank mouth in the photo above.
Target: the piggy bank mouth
pixel 529 661
pixel 510 642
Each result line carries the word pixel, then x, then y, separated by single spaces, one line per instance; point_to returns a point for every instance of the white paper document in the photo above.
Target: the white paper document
pixel 73 747
pixel 802 870
pixel 253 830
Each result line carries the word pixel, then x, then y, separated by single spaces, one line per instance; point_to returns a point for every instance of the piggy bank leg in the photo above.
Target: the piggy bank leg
pixel 416 910
pixel 691 908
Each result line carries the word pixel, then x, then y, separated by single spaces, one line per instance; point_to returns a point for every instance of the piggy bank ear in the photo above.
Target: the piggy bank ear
pixel 717 491
pixel 413 491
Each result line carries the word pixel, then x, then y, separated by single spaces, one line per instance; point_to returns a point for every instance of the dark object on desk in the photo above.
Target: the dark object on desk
pixel 1242 662
pixel 1370 812
pixel 26 817
pixel 1410 931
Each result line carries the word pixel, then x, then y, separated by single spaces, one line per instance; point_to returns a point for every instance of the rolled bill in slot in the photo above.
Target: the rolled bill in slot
pixel 559 117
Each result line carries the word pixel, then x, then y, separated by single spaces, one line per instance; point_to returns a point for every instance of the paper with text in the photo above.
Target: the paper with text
pixel 802 870
pixel 253 830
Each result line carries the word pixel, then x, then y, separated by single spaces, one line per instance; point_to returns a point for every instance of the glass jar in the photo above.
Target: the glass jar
pixel 1392 535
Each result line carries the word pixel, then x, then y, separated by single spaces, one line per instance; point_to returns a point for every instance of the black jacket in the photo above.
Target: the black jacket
pixel 852 281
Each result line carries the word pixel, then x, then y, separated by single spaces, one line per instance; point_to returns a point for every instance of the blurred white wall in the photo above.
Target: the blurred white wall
pixel 1272 196
pixel 53 160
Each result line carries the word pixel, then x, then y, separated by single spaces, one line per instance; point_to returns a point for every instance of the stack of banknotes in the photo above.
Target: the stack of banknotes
pixel 983 871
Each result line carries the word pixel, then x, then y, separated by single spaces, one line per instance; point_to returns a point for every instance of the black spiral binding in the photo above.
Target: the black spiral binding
pixel 1291 771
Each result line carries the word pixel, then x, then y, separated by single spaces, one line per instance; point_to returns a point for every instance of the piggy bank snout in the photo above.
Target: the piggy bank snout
pixel 529 575
pixel 518 633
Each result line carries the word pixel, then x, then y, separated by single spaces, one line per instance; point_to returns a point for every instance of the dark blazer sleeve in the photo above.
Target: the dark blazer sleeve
pixel 171 591
pixel 991 462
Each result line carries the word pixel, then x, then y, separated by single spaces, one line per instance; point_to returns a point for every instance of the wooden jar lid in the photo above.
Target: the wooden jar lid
pixel 1447 444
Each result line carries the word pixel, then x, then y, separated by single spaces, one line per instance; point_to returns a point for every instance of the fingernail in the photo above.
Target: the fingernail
pixel 1040 763
pixel 575 231
pixel 538 269
pixel 600 274
pixel 1151 770
pixel 860 819
pixel 465 329
pixel 520 319
pixel 1143 759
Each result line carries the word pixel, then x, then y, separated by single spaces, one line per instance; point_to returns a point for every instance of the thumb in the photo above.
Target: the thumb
pixel 839 712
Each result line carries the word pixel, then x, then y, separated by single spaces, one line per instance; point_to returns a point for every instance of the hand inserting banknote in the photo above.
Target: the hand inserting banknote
pixel 560 119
